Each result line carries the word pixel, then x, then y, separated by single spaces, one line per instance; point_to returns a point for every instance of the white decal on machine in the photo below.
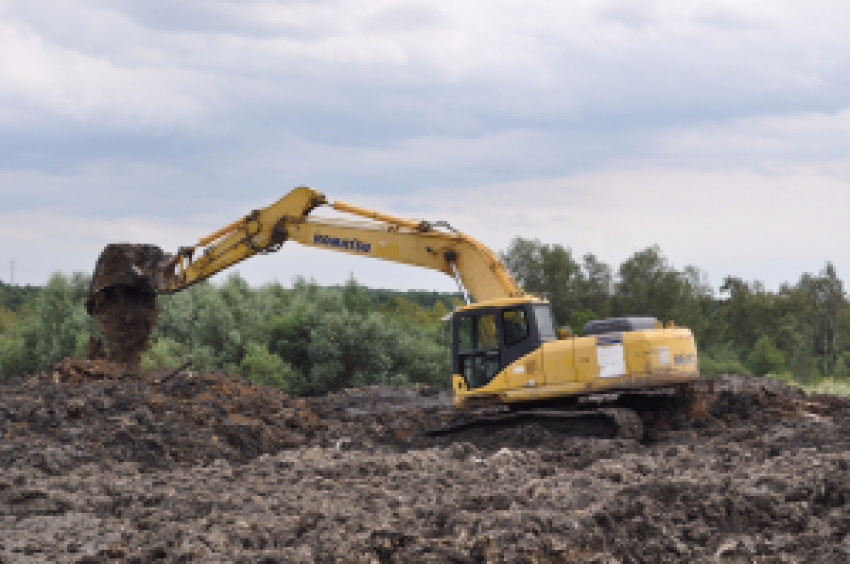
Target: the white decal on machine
pixel 663 356
pixel 611 360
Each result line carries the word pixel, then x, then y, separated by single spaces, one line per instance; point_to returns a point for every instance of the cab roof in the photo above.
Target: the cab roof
pixel 500 302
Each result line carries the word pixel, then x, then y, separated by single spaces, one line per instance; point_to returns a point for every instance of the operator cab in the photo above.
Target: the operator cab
pixel 487 337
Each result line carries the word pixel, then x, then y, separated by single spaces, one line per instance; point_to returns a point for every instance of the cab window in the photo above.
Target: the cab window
pixel 487 332
pixel 514 326
pixel 545 322
pixel 465 335
pixel 476 333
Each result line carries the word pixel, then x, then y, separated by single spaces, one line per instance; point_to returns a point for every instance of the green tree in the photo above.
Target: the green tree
pixel 15 298
pixel 330 346
pixel 765 358
pixel 648 285
pixel 749 312
pixel 356 298
pixel 264 367
pixel 8 321
pixel 596 286
pixel 549 270
pixel 722 358
pixel 579 319
pixel 841 369
pixel 164 353
pixel 58 327
pixel 827 309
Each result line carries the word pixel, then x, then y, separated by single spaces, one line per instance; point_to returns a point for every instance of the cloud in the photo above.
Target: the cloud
pixel 770 227
pixel 743 223
pixel 771 142
pixel 135 111
pixel 44 80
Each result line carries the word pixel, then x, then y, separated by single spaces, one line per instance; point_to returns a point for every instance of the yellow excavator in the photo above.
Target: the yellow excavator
pixel 505 347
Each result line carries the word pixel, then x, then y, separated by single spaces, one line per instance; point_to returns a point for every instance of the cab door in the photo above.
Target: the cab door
pixel 478 358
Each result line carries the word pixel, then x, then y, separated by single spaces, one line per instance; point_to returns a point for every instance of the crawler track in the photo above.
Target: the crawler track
pixel 611 422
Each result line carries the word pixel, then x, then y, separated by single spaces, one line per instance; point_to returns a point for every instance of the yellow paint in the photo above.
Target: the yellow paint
pixel 571 367
pixel 519 375
pixel 387 237
pixel 387 251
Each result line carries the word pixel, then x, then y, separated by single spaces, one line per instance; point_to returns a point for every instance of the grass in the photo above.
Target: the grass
pixel 821 385
pixel 832 386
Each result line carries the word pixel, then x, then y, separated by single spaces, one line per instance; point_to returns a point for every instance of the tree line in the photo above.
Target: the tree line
pixel 305 340
pixel 309 339
pixel 800 328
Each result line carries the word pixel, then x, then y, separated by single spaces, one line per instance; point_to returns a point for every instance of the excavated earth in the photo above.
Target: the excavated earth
pixel 99 463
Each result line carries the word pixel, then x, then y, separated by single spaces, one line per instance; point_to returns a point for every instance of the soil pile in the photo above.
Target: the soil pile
pixel 105 412
pixel 101 465
pixel 122 299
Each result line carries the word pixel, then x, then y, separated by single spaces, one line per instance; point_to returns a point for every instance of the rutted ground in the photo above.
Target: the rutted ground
pixel 98 466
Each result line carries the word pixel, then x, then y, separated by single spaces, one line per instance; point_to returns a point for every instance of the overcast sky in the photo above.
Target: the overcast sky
pixel 718 130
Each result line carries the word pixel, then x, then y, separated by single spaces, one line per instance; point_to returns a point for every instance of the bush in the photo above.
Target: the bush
pixel 264 367
pixel 579 319
pixel 305 340
pixel 308 340
pixel 57 327
pixel 164 353
pixel 721 359
pixel 765 358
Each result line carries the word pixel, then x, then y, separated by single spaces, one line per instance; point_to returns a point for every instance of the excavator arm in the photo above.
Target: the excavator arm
pixel 261 231
pixel 127 277
pixel 408 241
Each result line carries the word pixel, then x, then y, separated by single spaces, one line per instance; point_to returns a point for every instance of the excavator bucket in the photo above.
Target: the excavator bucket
pixel 122 299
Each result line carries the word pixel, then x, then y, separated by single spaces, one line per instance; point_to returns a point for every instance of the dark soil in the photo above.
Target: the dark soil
pixel 122 299
pixel 126 316
pixel 99 463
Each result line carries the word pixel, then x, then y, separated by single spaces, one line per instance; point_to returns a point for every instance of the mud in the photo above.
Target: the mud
pixel 98 464
pixel 126 316
pixel 122 299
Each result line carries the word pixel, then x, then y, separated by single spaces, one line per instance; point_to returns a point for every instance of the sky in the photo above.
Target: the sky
pixel 717 130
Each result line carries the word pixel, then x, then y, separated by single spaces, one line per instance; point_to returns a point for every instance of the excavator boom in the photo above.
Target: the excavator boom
pixel 261 231
pixel 408 241
pixel 130 273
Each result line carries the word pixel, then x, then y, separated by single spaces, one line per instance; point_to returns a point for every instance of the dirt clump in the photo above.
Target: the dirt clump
pixel 122 299
pixel 100 465
pixel 126 315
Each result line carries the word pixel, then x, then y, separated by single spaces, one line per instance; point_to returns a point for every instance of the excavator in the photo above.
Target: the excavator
pixel 505 348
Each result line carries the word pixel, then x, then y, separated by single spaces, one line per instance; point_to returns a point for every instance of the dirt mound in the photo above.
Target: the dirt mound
pixel 105 412
pixel 101 465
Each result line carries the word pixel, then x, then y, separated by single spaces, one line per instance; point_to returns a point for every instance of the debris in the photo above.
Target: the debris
pixel 166 374
pixel 99 461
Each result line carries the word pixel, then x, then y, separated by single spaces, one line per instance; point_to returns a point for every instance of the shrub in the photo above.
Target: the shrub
pixel 164 353
pixel 765 358
pixel 721 359
pixel 264 367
